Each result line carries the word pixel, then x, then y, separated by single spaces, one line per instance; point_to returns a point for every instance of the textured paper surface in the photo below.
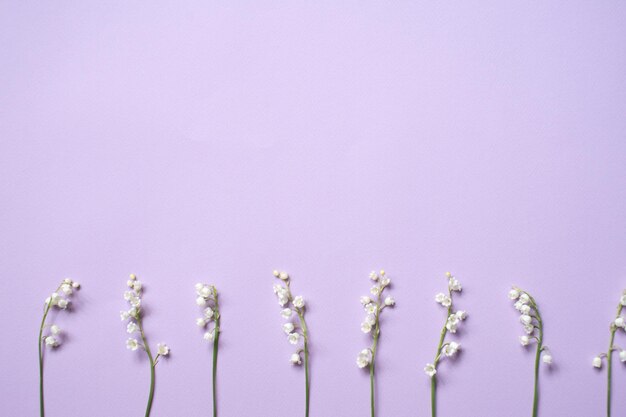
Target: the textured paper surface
pixel 191 142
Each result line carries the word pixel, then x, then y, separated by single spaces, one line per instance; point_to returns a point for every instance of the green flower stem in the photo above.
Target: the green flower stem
pixel 152 366
pixel 536 390
pixel 537 354
pixel 43 324
pixel 609 363
pixel 433 379
pixel 307 386
pixel 372 366
pixel 374 348
pixel 216 340
pixel 305 336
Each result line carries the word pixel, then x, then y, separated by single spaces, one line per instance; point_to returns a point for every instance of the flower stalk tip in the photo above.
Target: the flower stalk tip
pixel 296 330
pixel 445 349
pixel 51 335
pixel 371 325
pixel 533 326
pixel 138 339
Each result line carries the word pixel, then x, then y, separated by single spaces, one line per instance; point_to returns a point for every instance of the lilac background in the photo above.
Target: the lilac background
pixel 188 141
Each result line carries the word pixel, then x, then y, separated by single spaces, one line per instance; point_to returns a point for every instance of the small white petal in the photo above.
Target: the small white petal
pixel 430 370
pixel 288 327
pixel 366 327
pixel 294 338
pixel 163 349
pixel 295 359
pixel 597 362
pixel 298 301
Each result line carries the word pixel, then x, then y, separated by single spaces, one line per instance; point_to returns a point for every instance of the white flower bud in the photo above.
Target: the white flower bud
pixel 514 294
pixel 366 327
pixel 298 301
pixel 163 349
pixel 132 327
pixel 294 338
pixel 363 359
pixel 51 341
pixel 67 289
pixel 597 362
pixel 132 344
pixel 430 370
pixel 295 359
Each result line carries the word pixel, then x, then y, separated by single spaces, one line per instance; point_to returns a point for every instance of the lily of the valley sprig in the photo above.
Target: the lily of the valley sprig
pixel 373 307
pixel 618 323
pixel 51 335
pixel 296 330
pixel 444 348
pixel 135 325
pixel 533 327
pixel 207 299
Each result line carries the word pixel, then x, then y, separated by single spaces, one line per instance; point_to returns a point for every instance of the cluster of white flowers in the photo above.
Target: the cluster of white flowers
pixel 373 307
pixel 454 319
pixel 530 320
pixel 291 306
pixel 618 324
pixel 61 300
pixel 133 316
pixel 207 299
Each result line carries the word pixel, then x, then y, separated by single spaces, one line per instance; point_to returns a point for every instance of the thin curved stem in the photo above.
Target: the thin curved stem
pixel 372 369
pixel 307 383
pixel 216 340
pixel 609 363
pixel 537 356
pixel 433 379
pixel 152 366
pixel 305 334
pixel 41 391
pixel 374 349
pixel 536 389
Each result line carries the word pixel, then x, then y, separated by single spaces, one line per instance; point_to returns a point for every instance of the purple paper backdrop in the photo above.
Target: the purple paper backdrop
pixel 187 141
